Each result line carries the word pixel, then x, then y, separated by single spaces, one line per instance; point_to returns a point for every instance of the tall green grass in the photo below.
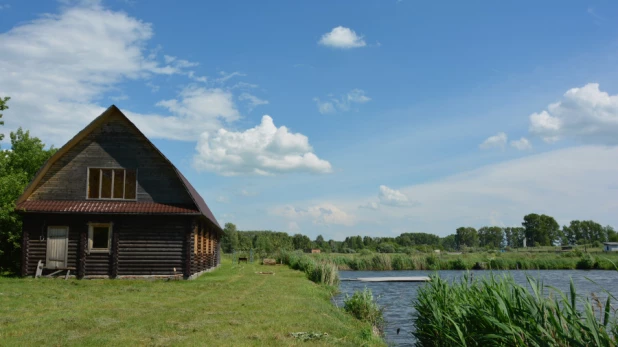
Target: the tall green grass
pixel 485 260
pixel 321 271
pixel 496 311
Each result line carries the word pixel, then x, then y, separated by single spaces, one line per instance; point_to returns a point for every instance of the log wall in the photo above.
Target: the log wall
pixel 140 245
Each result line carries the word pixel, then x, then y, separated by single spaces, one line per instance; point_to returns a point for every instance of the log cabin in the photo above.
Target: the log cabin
pixel 109 204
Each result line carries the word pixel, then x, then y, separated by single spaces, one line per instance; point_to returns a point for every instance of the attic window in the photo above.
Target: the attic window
pixel 116 184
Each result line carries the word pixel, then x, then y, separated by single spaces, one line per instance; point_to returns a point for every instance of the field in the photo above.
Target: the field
pixel 530 259
pixel 232 306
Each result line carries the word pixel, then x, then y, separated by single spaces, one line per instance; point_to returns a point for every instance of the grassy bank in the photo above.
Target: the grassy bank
pixel 497 311
pixel 469 261
pixel 232 306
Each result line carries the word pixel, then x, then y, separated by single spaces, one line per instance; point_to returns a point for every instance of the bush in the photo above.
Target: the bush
pixel 362 306
pixel 586 262
pixel 365 252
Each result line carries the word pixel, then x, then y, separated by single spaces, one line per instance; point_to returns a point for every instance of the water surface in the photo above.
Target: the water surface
pixel 397 297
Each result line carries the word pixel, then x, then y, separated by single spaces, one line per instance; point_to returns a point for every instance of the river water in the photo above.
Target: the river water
pixel 397 297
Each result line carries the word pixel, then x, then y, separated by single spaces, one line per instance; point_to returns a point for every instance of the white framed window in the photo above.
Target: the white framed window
pixel 99 237
pixel 112 184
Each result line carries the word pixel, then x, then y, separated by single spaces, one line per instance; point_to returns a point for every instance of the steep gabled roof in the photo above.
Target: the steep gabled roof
pixel 199 202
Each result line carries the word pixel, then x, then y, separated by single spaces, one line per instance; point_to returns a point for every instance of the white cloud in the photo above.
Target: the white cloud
pixel 324 107
pixel 343 103
pixel 496 141
pixel 4 7
pixel 252 100
pixel 372 205
pixel 57 66
pixel 584 114
pixel 522 144
pixel 358 96
pixel 262 150
pixel 226 76
pixel 223 199
pixel 392 197
pixel 121 97
pixel 342 37
pixel 572 183
pixel 320 214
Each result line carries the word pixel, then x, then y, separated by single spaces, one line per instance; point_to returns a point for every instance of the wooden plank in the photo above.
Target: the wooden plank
pixel 389 279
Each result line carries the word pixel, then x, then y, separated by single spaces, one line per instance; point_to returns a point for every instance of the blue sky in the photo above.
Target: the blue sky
pixel 383 116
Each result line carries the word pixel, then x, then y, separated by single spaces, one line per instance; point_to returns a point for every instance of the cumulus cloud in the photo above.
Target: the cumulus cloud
pixel 54 83
pixel 342 103
pixel 522 144
pixel 342 37
pixel 585 114
pixel 55 86
pixel 262 150
pixel 392 197
pixel 320 214
pixel 496 141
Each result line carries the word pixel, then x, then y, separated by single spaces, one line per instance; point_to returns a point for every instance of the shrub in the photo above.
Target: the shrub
pixel 365 252
pixel 459 264
pixel 364 307
pixel 586 262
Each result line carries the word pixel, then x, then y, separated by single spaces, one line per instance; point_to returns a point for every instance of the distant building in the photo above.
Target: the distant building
pixel 315 250
pixel 610 247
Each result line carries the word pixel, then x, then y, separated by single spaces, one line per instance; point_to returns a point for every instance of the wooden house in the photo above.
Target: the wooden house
pixel 109 204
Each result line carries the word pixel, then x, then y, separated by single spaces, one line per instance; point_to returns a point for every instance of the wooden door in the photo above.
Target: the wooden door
pixel 57 247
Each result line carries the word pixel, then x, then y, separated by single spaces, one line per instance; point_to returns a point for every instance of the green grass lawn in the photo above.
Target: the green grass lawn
pixel 232 306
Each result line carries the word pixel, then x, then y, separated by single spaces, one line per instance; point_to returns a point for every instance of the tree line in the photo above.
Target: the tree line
pixel 536 230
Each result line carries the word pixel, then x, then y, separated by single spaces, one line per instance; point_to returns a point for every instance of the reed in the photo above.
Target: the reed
pixel 490 261
pixel 496 311
pixel 319 270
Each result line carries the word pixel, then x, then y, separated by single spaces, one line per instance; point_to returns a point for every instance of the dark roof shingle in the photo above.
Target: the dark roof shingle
pixel 104 206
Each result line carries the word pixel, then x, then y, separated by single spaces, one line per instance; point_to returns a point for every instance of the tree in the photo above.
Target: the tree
pixel 514 236
pixel 229 240
pixel 611 233
pixel 466 236
pixel 541 230
pixel 301 242
pixel 492 237
pixel 582 232
pixel 17 169
pixel 3 107
pixel 449 243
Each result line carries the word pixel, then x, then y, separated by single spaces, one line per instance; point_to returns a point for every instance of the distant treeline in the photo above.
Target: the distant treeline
pixel 536 230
